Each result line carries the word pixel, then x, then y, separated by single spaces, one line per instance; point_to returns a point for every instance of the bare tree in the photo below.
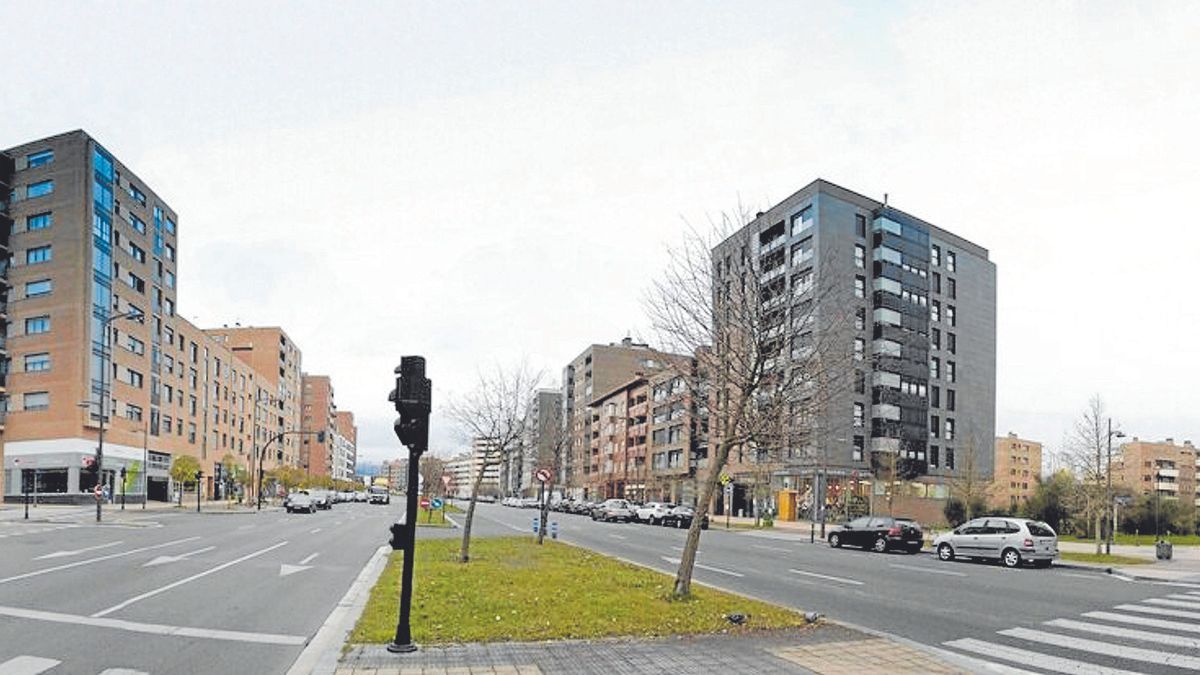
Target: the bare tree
pixel 432 469
pixel 970 482
pixel 768 353
pixel 494 417
pixel 553 442
pixel 1084 452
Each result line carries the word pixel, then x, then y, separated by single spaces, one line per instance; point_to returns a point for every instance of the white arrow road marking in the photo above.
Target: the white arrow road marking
pixel 163 559
pixel 152 628
pixel 27 665
pixel 285 569
pixel 218 568
pixel 94 560
pixel 675 561
pixel 64 554
pixel 309 559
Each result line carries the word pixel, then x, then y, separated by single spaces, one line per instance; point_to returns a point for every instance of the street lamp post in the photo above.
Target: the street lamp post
pixel 146 464
pixel 1112 509
pixel 279 437
pixel 105 353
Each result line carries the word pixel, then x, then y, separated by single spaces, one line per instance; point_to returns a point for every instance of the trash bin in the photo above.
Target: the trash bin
pixel 1163 550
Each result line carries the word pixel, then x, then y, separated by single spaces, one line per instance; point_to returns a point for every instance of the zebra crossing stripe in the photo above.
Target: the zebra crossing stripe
pixel 1144 621
pixel 1131 633
pixel 1160 611
pixel 27 665
pixel 1105 649
pixel 1056 664
pixel 123 671
pixel 1168 602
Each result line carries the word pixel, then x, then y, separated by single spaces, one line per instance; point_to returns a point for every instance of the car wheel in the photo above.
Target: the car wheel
pixel 945 552
pixel 835 541
pixel 1010 558
pixel 880 545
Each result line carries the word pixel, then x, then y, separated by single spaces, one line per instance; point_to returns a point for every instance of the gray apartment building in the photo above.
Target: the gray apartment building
pixel 920 315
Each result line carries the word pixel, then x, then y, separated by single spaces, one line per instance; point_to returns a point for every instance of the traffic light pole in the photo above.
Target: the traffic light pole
pixel 412 399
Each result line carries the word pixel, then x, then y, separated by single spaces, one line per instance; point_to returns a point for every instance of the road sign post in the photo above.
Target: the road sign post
pixel 543 476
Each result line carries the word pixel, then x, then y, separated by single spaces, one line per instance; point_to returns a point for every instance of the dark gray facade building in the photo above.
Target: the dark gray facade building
pixel 921 308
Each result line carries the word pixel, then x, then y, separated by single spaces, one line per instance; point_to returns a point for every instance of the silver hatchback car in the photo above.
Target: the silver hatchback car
pixel 1012 541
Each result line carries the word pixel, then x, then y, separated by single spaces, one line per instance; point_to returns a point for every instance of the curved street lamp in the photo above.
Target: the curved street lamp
pixel 105 354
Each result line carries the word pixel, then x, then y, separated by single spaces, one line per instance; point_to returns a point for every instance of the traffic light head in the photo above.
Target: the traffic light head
pixel 199 474
pixel 320 436
pixel 412 397
pixel 399 536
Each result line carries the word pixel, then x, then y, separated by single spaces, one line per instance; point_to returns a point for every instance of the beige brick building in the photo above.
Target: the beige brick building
pixel 616 459
pixel 1018 466
pixel 318 414
pixel 1147 467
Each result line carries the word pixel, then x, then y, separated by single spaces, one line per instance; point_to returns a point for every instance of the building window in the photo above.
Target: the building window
pixel 952 288
pixel 859 415
pixel 37 400
pixel 191 433
pixel 39 221
pixel 935 255
pixel 860 256
pixel 133 378
pixel 135 282
pixel 39 189
pixel 951 262
pixel 950 458
pixel 39 158
pixel 860 287
pixel 137 252
pixel 169 277
pixel 860 225
pixel 802 221
pixel 859 445
pixel 935 311
pixel 950 399
pixel 860 348
pixel 39 254
pixel 935 338
pixel 860 319
pixel 935 397
pixel 951 343
pixel 860 382
pixel 935 368
pixel 937 283
pixel 935 426
pixel 137 194
pixel 949 429
pixel 169 304
pixel 35 325
pixel 133 412
pixel 135 345
pixel 137 223
pixel 950 315
pixel 933 456
pixel 170 226
pixel 34 289
pixel 170 252
pixel 36 363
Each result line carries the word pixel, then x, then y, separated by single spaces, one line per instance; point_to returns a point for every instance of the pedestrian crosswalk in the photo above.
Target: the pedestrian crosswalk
pixel 1152 635
pixel 35 665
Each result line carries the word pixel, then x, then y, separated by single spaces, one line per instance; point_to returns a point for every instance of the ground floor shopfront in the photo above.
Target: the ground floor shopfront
pixel 54 472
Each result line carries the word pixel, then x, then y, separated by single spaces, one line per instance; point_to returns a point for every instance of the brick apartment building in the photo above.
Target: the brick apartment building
pixel 1018 466
pixel 617 459
pixel 1162 467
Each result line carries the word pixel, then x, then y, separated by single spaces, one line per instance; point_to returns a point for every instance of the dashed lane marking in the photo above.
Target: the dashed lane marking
pixel 152 628
pixel 89 561
pixel 827 577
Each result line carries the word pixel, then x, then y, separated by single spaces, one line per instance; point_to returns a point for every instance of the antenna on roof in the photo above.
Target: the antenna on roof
pixel 885 197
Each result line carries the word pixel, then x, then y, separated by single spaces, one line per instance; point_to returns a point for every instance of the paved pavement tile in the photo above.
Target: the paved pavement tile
pixel 828 648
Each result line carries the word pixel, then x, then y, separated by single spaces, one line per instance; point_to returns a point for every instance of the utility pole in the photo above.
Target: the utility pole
pixel 1108 494
pixel 412 397
pixel 146 464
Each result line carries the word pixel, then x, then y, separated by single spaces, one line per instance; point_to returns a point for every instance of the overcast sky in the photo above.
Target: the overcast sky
pixel 485 182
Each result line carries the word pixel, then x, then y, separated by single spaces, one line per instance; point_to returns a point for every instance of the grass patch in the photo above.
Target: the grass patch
pixel 433 518
pixel 514 589
pixel 1148 539
pixel 1101 558
pixel 450 508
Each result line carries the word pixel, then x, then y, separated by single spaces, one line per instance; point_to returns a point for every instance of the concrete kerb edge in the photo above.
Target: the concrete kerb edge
pixel 324 649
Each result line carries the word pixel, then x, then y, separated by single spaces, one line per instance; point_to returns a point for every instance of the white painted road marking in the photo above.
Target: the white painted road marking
pixel 314 531
pixel 122 671
pixel 1133 634
pixel 1174 603
pixel 95 560
pixel 1181 613
pixel 675 561
pixel 285 569
pixel 153 628
pixel 1105 649
pixel 926 570
pixel 175 584
pixel 64 554
pixel 1024 657
pixel 771 548
pixel 617 536
pixel 163 559
pixel 826 576
pixel 27 665
pixel 309 559
pixel 1144 621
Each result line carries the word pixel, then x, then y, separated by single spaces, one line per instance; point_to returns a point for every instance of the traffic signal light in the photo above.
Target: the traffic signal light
pixel 399 536
pixel 320 436
pixel 412 398
pixel 93 465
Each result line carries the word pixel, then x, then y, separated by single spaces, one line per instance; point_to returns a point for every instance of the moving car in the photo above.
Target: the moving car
pixel 1012 541
pixel 653 512
pixel 880 534
pixel 379 495
pixel 681 517
pixel 613 510
pixel 299 501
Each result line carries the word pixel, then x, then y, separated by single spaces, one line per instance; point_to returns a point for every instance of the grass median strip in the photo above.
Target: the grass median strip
pixel 1103 559
pixel 514 589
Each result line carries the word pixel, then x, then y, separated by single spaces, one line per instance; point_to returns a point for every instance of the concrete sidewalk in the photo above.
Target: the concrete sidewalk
pixel 824 648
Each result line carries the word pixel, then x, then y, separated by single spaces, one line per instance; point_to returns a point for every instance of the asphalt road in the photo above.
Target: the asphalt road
pixel 1040 620
pixel 177 592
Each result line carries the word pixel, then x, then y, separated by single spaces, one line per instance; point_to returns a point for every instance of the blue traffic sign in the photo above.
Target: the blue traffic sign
pixel 436 503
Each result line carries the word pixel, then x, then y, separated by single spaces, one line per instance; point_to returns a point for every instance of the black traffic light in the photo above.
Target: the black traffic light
pixel 198 475
pixel 122 473
pixel 93 465
pixel 320 436
pixel 412 398
pixel 279 455
pixel 399 536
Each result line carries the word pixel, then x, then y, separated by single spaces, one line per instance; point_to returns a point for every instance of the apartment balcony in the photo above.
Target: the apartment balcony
pixel 6 224
pixel 772 246
pixel 1166 487
pixel 1168 473
pixel 885 411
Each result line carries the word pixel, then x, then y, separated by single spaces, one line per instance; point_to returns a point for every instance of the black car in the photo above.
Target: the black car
pixel 880 534
pixel 681 517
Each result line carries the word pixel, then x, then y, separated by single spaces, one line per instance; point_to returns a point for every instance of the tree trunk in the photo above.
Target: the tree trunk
pixel 464 554
pixel 1099 519
pixel 687 559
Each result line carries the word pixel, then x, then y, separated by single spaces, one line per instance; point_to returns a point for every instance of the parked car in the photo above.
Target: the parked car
pixel 880 534
pixel 322 499
pixel 653 512
pixel 299 501
pixel 530 503
pixel 681 517
pixel 1012 541
pixel 360 496
pixel 486 499
pixel 613 510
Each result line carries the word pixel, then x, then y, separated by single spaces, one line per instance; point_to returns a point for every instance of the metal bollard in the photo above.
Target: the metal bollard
pixel 536 522
pixel 554 529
